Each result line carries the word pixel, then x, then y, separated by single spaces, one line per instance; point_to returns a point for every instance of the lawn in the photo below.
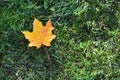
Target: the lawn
pixel 86 47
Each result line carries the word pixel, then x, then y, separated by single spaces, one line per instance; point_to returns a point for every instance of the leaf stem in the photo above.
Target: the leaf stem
pixel 46 51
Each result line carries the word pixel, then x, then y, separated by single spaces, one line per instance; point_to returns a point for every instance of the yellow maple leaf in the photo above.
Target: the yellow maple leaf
pixel 41 35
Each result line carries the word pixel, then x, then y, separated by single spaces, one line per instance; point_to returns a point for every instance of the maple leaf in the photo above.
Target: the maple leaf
pixel 41 35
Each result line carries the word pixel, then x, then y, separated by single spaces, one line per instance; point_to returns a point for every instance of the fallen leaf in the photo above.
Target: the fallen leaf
pixel 41 35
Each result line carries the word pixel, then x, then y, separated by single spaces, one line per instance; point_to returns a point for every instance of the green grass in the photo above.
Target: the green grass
pixel 87 45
